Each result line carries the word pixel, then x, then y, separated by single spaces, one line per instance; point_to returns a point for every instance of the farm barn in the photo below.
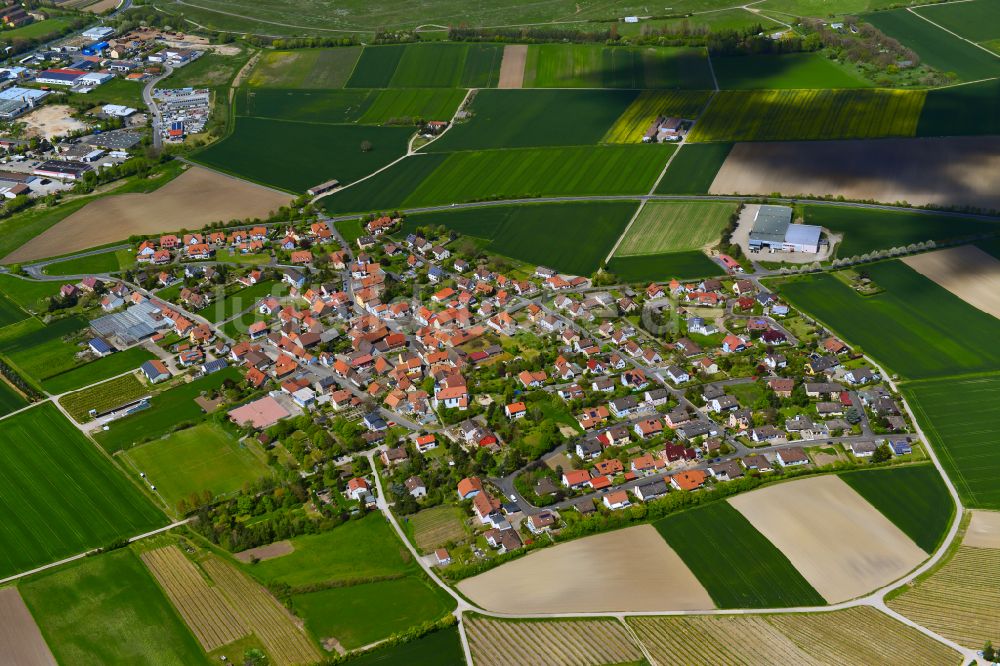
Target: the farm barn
pixel 773 229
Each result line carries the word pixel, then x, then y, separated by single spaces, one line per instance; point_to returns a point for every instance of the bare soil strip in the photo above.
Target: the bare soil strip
pixel 839 542
pixel 203 608
pixel 21 642
pixel 984 530
pixel 966 271
pixel 268 552
pixel 195 198
pixel 512 66
pixel 626 570
pixel 944 171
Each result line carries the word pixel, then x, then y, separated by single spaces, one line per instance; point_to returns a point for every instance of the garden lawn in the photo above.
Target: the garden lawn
pixel 572 237
pixel 99 370
pixel 105 262
pixel 58 495
pixel 672 226
pixel 661 267
pixel 410 104
pixel 598 66
pixel 867 230
pixel 935 46
pixel 305 68
pixel 913 497
pixel 528 118
pixel 527 172
pixel 434 527
pixel 788 70
pixel 350 230
pixel 242 299
pixel 972 109
pixel 694 168
pixel 387 189
pixel 109 610
pixel 103 397
pixel 441 648
pixel 192 461
pixel 295 156
pixel 915 327
pixel 785 115
pixel 166 410
pixel 737 565
pixel 358 549
pixel 362 614
pixel 376 66
pixel 961 417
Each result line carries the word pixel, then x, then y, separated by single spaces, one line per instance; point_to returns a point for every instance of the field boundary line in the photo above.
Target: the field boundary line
pixel 635 215
pixel 953 34
pixel 635 637
pixel 711 69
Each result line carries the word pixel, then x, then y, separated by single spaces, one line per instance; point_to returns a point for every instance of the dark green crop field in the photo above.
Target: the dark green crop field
pixel 388 189
pixel 526 118
pixel 973 109
pixel 96 371
pixel 935 46
pixel 961 416
pixel 913 497
pixel 915 327
pixel 978 20
pixel 10 313
pixel 737 565
pixel 441 648
pixel 58 495
pixel 528 172
pixel 376 66
pixel 789 70
pixel 694 168
pixel 425 103
pixel 660 267
pixel 482 66
pixel 307 106
pixel 598 66
pixel 570 237
pixel 10 400
pixel 866 230
pixel 295 156
pixel 430 65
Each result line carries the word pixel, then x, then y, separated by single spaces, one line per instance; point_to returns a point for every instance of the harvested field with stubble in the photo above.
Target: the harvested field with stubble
pixel 268 552
pixel 195 198
pixel 842 545
pixel 550 580
pixel 557 643
pixel 983 530
pixel 278 630
pixel 512 66
pixel 22 642
pixel 966 271
pixel 860 635
pixel 954 171
pixel 202 606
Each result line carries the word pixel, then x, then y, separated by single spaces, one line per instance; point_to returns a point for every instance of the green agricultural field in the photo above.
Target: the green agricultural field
pixel 211 70
pixel 39 350
pixel 441 648
pixel 10 313
pixel 527 118
pixel 913 497
pixel 242 299
pixel 790 70
pixel 737 565
pixel 192 461
pixel 58 495
pixel 961 110
pixel 105 262
pixel 961 416
pixel 536 234
pixel 632 124
pixel 444 65
pixel 434 527
pixel 482 66
pixel 866 230
pixel 376 66
pixel 362 614
pixel 307 106
pixel 694 168
pixel 109 610
pixel 166 410
pixel 660 267
pixel 103 397
pixel 295 156
pixel 387 189
pixel 10 400
pixel 38 29
pixel 356 550
pixel 977 21
pixel 413 103
pixel 935 46
pixel 673 226
pixel 598 66
pixel 527 172
pixel 26 293
pixel 96 371
pixel 915 327
pixel 305 68
pixel 776 115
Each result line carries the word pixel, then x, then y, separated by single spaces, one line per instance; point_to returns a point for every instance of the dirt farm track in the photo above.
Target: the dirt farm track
pixel 942 171
pixel 195 198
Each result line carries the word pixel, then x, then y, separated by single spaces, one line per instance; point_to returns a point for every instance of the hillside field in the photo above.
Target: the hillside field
pixel 537 234
pixel 58 495
pixel 668 226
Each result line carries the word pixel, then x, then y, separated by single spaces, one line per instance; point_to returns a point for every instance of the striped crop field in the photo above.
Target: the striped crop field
pixel 267 619
pixel 636 119
pixel 556 643
pixel 785 115
pixel 673 226
pixel 959 600
pixel 203 607
pixel 860 635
